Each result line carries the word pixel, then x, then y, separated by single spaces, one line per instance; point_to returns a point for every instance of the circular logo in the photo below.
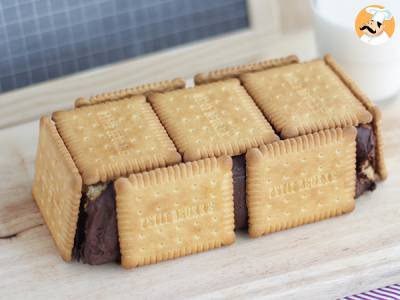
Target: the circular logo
pixel 375 25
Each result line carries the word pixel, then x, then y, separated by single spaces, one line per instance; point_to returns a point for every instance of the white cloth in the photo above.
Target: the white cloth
pixel 375 40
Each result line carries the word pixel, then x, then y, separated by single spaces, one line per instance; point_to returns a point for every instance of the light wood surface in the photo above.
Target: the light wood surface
pixel 325 260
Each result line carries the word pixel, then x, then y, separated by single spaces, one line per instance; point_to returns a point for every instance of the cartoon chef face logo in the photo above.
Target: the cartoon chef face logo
pixel 374 25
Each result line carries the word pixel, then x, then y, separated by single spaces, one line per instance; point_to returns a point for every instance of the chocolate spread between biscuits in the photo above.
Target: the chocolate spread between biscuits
pixel 96 240
pixel 365 160
pixel 239 191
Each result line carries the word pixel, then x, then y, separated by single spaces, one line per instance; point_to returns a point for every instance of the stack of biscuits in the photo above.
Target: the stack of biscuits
pixel 160 171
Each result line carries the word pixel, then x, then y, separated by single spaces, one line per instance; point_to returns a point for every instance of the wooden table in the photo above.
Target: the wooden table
pixel 325 260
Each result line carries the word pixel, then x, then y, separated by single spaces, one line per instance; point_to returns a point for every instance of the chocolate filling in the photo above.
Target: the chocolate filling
pixel 365 160
pixel 96 240
pixel 239 191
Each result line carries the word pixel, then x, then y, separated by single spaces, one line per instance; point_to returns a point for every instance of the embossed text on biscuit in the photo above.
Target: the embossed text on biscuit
pixel 300 185
pixel 309 101
pixel 178 215
pixel 212 114
pixel 112 130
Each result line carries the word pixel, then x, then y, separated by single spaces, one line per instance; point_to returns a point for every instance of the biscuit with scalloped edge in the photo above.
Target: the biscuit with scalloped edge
pixel 233 72
pixel 175 211
pixel 376 113
pixel 57 188
pixel 115 139
pixel 303 98
pixel 212 119
pixel 144 89
pixel 301 180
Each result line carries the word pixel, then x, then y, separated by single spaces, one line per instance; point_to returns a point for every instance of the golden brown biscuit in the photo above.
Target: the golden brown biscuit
pixel 232 72
pixel 304 98
pixel 57 188
pixel 115 139
pixel 175 211
pixel 212 120
pixel 144 89
pixel 376 113
pixel 301 180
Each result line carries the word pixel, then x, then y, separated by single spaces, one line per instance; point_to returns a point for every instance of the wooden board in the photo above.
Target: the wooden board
pixel 325 260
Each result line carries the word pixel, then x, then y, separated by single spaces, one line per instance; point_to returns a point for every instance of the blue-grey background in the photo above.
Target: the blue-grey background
pixel 45 39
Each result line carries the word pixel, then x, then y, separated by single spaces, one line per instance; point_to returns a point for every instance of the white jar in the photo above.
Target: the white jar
pixel 375 68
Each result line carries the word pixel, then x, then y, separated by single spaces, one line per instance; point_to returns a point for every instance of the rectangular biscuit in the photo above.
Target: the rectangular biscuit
pixel 144 89
pixel 115 139
pixel 57 187
pixel 303 98
pixel 213 119
pixel 300 180
pixel 175 211
pixel 234 72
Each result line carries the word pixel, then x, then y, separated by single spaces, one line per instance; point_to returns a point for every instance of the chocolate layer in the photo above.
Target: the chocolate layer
pixel 96 241
pixel 365 164
pixel 239 191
